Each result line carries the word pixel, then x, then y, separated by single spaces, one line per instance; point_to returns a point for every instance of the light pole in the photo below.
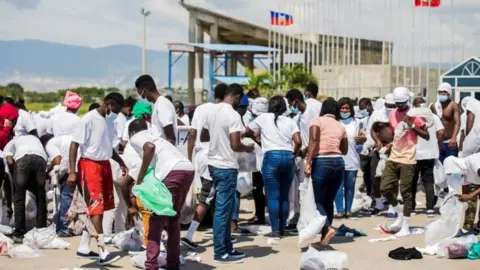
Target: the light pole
pixel 145 13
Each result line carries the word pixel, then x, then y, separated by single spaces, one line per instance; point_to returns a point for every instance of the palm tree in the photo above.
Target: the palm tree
pixel 295 77
pixel 259 81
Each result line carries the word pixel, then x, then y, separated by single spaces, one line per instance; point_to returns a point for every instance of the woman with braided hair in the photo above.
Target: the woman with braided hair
pixel 280 139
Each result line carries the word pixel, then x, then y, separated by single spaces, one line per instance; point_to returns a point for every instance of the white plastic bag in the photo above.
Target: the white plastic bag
pixel 310 222
pixel 6 229
pixel 139 259
pixel 323 260
pixel 447 226
pixel 247 162
pixel 439 174
pixel 130 240
pixel 244 183
pixel 23 252
pixel 381 162
pixel 464 243
pixel 361 201
pixel 30 206
pixel 188 209
pixel 40 237
pixel 5 244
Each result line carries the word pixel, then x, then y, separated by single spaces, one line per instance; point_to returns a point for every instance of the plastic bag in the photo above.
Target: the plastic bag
pixel 456 247
pixel 130 240
pixel 361 201
pixel 23 252
pixel 40 238
pixel 139 259
pixel 381 162
pixel 244 183
pixel 30 206
pixel 154 195
pixel 188 209
pixel 323 260
pixel 6 229
pixel 116 172
pixel 447 226
pixel 310 222
pixel 250 162
pixel 5 244
pixel 439 174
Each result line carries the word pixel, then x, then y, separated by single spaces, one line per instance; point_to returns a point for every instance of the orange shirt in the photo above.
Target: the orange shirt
pixel 331 133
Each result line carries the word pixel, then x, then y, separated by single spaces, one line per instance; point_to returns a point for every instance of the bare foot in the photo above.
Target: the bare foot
pixel 328 237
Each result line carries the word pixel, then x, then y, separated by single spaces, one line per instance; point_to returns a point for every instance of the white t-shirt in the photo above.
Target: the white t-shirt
pixel 473 164
pixel 25 123
pixel 64 123
pixel 125 136
pixel 429 149
pixel 221 121
pixel 352 158
pixel 198 122
pixel 132 160
pixel 60 146
pixel 95 135
pixel 166 154
pixel 163 114
pixel 275 137
pixel 314 105
pixel 185 120
pixel 119 124
pixel 44 125
pixel 23 145
pixel 303 123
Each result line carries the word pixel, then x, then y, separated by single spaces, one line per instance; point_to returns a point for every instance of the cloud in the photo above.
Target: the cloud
pixel 98 23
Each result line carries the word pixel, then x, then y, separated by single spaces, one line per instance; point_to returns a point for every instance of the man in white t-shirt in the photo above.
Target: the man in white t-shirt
pixel 176 172
pixel 58 150
pixel 164 117
pixel 94 136
pixel 181 115
pixel 27 163
pixel 206 197
pixel 427 153
pixel 25 123
pixel 222 129
pixel 65 123
pixel 311 93
pixel 120 122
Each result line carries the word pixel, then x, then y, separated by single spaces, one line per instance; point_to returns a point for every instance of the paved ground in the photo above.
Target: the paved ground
pixel 361 254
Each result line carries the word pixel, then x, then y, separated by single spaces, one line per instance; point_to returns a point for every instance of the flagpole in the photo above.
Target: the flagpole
pixel 420 81
pixel 390 50
pixel 359 51
pixel 405 66
pixel 412 71
pixel 453 33
pixel 269 43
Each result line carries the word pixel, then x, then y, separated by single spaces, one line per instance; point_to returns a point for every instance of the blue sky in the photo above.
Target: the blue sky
pixel 98 23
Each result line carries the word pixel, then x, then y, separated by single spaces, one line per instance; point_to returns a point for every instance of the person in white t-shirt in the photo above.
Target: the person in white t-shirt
pixel 120 122
pixel 65 123
pixel 25 124
pixel 27 161
pixel 58 149
pixel 280 139
pixel 311 93
pixel 180 111
pixel 94 136
pixel 346 191
pixel 164 117
pixel 222 128
pixel 176 172
pixel 427 153
pixel 207 193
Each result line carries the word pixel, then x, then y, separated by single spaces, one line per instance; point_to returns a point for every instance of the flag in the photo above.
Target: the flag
pixel 427 3
pixel 281 19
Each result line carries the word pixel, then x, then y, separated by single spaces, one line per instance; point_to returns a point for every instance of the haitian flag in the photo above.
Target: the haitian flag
pixel 281 19
pixel 427 3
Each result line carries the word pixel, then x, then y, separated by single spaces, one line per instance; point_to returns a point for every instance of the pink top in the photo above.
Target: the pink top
pixel 331 133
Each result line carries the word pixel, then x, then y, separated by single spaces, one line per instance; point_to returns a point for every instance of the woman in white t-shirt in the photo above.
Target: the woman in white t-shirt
pixel 280 139
pixel 352 158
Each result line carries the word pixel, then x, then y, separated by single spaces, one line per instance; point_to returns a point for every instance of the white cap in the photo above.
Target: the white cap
pixel 259 106
pixel 389 99
pixel 445 87
pixel 401 94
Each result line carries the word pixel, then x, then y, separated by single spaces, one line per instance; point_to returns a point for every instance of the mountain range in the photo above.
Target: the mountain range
pixel 47 66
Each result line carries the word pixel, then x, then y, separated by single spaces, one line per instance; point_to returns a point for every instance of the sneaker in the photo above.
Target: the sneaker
pixel 227 259
pixel 291 227
pixel 293 232
pixel 108 260
pixel 236 254
pixel 430 213
pixel 208 234
pixel 109 241
pixel 90 255
pixel 241 232
pixel 135 252
pixel 392 215
pixel 233 240
pixel 272 235
pixel 189 244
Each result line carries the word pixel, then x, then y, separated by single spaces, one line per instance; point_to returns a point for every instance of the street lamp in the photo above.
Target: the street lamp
pixel 145 13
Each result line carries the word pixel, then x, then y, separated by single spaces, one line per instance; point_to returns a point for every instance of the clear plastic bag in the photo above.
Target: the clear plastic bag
pixel 23 252
pixel 439 174
pixel 456 248
pixel 360 201
pixel 188 209
pixel 40 238
pixel 130 240
pixel 310 222
pixel 139 259
pixel 250 162
pixel 323 260
pixel 310 260
pixel 5 244
pixel 244 183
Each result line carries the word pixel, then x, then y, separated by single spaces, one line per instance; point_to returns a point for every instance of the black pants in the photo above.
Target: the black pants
pixel 29 174
pixel 425 169
pixel 369 165
pixel 258 195
pixel 8 191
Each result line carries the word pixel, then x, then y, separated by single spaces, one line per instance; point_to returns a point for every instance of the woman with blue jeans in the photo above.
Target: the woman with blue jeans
pixel 280 139
pixel 352 158
pixel 324 162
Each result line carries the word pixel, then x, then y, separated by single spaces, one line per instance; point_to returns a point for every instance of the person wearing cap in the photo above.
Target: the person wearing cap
pixel 64 123
pixel 400 165
pixel 449 112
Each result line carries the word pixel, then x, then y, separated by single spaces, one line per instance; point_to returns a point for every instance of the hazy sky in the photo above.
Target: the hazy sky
pixel 104 22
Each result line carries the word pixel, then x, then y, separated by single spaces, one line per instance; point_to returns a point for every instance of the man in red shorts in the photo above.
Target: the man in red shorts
pixel 94 135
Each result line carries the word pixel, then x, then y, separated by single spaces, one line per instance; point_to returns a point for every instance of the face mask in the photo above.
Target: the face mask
pixel 442 98
pixel 423 105
pixel 364 113
pixel 457 176
pixel 345 115
pixel 111 116
pixel 294 110
pixel 388 111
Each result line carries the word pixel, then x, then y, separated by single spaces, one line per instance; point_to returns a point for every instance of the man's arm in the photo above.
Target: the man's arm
pixel 72 155
pixel 440 136
pixel 125 187
pixel 422 132
pixel 148 152
pixel 192 138
pixel 374 134
pixel 236 144
pixel 170 134
pixel 456 129
pixel 120 162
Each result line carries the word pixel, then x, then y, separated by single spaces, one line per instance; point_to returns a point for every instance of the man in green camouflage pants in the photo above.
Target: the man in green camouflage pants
pixel 468 224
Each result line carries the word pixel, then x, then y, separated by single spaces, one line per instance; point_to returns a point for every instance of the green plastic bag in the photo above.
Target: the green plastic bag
pixel 154 195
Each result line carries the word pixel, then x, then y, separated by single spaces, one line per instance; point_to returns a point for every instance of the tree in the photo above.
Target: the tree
pixel 17 90
pixel 263 82
pixel 295 77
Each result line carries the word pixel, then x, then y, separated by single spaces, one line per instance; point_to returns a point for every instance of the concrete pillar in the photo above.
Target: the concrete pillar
pixel 199 64
pixel 192 25
pixel 213 33
pixel 250 62
pixel 231 65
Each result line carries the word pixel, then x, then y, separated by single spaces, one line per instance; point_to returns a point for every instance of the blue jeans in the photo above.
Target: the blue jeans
pixel 66 197
pixel 225 184
pixel 236 207
pixel 327 175
pixel 348 183
pixel 278 171
pixel 446 151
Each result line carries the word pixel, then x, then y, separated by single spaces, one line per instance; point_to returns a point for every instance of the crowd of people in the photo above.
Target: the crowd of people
pixel 395 141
